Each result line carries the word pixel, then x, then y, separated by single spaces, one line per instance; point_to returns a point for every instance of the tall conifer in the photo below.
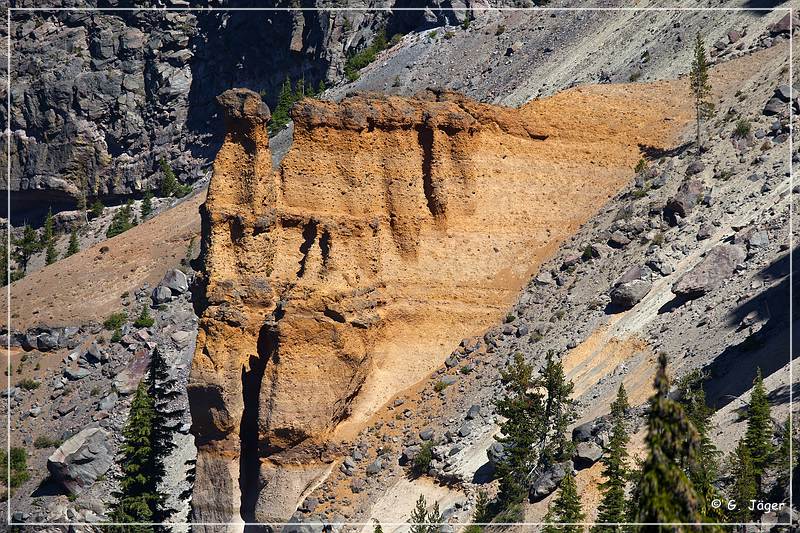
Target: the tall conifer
pixel 565 509
pixel 758 436
pixel 612 507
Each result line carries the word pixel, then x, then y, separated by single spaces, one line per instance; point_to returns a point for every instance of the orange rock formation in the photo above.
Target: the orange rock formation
pixel 393 228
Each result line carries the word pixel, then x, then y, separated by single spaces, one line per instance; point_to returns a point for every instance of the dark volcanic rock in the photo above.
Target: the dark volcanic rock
pixel 717 266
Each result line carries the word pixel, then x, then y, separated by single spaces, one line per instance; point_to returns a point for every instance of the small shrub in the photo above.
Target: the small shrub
pixel 742 128
pixel 423 459
pixel 115 321
pixel 658 238
pixel 449 35
pixel 641 166
pixel 466 369
pixel 634 76
pixel 587 254
pixel 117 335
pixel 96 209
pixel 46 442
pixel 510 317
pixel 95 391
pixel 144 320
pixel 466 23
pixel 28 384
pixel 440 386
pixel 19 466
pixel 501 29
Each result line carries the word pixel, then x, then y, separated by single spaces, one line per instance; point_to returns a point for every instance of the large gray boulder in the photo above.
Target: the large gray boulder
pixel 718 265
pixel 587 454
pixel 548 481
pixel 77 463
pixel 630 293
pixel 161 294
pixel 687 196
pixel 176 281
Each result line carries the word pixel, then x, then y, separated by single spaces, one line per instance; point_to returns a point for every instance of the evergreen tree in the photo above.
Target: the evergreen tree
pixel 419 517
pixel 48 230
pixel 123 220
pixel 758 436
pixel 522 430
pixel 280 116
pixel 665 493
pixel 169 184
pixel 73 246
pixel 612 507
pixel 705 470
pixel 321 88
pixel 378 528
pixel 701 87
pixel 25 247
pixel 565 509
pixel 97 208
pixel 50 254
pixel 744 483
pixel 147 205
pixel 559 411
pixel 138 495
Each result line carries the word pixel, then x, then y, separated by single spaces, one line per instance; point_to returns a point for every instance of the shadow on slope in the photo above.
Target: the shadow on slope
pixel 731 373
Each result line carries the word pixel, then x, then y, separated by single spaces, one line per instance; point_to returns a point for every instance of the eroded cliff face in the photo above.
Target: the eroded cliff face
pixel 393 228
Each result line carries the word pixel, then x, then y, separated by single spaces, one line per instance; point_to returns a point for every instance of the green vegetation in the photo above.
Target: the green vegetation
pixel 359 60
pixel 46 442
pixel 74 246
pixel 169 183
pixel 287 98
pixel 26 246
pixel 422 461
pixel 501 29
pixel 701 88
pixel 115 320
pixel 422 520
pixel 144 319
pixel 565 509
pixel 19 468
pixel 123 220
pixel 28 384
pixel 147 205
pixel 615 469
pixel 664 492
pixel 48 239
pixel 440 386
pixel 641 166
pixel 758 437
pixel 97 208
pixel 742 128
pixel 744 486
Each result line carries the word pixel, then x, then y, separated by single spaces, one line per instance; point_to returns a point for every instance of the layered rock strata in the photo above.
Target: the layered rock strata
pixel 393 228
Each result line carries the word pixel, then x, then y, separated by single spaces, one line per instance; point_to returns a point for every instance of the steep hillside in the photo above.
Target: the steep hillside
pixel 392 227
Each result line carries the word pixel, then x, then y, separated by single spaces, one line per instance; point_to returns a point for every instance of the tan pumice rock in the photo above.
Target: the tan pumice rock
pixel 393 228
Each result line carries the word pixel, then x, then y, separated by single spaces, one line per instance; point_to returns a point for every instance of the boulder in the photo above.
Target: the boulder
pixel 587 454
pixel 47 342
pixel 75 375
pixel 717 266
pixel 684 201
pixel 77 463
pixel 695 167
pixel 426 434
pixel 628 294
pixel 774 107
pixel 374 467
pixel 548 481
pixel 474 412
pixel 161 294
pixel 176 281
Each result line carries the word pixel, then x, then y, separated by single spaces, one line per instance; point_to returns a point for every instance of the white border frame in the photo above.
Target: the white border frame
pixel 789 10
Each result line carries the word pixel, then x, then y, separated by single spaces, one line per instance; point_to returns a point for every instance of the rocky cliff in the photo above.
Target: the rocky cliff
pixel 99 97
pixel 393 227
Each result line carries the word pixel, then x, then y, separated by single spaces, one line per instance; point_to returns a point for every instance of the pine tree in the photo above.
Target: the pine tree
pixel 48 230
pixel 559 410
pixel 612 507
pixel 704 472
pixel 50 254
pixel 665 493
pixel 758 436
pixel 280 116
pixel 744 483
pixel 138 494
pixel 565 509
pixel 169 184
pixel 25 247
pixel 321 88
pixel 74 245
pixel 378 528
pixel 419 517
pixel 123 220
pixel 700 86
pixel 147 205
pixel 522 430
pixel 97 208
